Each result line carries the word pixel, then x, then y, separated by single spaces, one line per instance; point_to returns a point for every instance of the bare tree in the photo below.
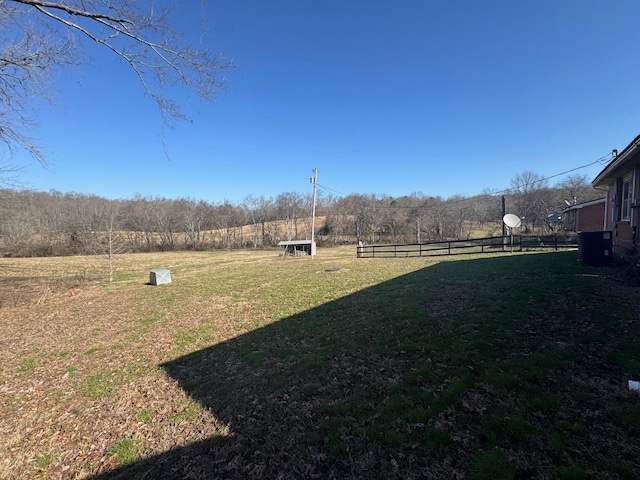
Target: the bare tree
pixel 366 216
pixel 229 225
pixel 529 193
pixel 488 210
pixel 434 219
pixel 338 223
pixel 459 210
pixel 16 221
pixel 575 189
pixel 257 210
pixel 140 222
pixel 109 239
pixel 289 207
pixel 192 214
pixel 40 36
pixel 394 218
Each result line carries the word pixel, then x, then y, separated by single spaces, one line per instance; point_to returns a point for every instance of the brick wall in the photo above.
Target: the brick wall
pixel 590 218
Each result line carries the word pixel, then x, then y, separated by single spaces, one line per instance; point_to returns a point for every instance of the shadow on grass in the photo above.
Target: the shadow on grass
pixel 390 382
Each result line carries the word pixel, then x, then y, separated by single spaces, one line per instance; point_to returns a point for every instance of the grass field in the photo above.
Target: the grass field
pixel 251 366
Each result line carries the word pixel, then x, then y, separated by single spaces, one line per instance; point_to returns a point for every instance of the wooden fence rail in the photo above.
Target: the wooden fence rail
pixel 476 245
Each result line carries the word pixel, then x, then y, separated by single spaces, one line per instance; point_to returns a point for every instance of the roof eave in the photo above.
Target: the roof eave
pixel 588 203
pixel 619 160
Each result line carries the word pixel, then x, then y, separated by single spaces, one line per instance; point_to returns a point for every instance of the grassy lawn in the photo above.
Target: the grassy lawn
pixel 249 366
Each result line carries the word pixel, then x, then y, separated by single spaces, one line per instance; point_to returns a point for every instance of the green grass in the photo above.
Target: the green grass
pixel 497 367
pixel 43 461
pixel 27 366
pixel 100 384
pixel 193 337
pixel 189 413
pixel 572 472
pixel 489 332
pixel 147 415
pixel 56 393
pixel 619 467
pixel 149 321
pixel 492 465
pixel 125 451
pixel 505 429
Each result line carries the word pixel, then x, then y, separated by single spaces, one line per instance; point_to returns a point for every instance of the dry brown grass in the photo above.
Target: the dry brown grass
pixel 80 373
pixel 252 366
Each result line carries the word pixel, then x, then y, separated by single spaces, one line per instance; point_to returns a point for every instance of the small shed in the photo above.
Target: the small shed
pixel 585 216
pixel 298 248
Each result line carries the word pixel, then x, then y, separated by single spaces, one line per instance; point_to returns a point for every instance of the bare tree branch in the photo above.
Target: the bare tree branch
pixel 39 37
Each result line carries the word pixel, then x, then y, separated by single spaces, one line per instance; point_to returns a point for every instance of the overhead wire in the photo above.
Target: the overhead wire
pixel 331 191
pixel 601 160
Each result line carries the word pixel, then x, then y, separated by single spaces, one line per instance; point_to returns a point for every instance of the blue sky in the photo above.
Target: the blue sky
pixel 443 97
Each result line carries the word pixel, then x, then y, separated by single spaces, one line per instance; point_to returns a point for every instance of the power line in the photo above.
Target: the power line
pixel 599 160
pixel 333 192
pixel 602 160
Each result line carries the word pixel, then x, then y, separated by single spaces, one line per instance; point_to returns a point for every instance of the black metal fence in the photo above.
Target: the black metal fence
pixel 477 245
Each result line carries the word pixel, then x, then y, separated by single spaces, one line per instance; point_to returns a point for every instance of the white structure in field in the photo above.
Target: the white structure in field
pixel 298 248
pixel 160 276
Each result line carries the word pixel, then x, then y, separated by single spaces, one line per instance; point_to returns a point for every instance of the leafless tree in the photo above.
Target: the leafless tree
pixel 16 222
pixel 529 195
pixel 337 225
pixel 459 212
pixel 108 238
pixel 192 215
pixel 488 210
pixel 575 189
pixel 228 225
pixel 366 214
pixel 393 218
pixel 434 219
pixel 139 222
pixel 290 208
pixel 258 211
pixel 38 37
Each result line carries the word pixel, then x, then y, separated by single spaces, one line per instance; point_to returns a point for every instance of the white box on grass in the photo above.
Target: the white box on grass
pixel 160 276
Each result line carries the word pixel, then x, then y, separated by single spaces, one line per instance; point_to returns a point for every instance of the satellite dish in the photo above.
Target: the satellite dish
pixel 554 218
pixel 511 220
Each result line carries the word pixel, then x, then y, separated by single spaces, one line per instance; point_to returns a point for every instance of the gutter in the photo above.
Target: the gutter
pixel 619 159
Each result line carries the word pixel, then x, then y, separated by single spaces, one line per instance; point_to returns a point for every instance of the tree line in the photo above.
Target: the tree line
pixel 41 38
pixel 34 223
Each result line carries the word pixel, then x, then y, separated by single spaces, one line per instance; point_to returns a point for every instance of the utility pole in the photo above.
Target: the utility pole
pixel 504 212
pixel 313 180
